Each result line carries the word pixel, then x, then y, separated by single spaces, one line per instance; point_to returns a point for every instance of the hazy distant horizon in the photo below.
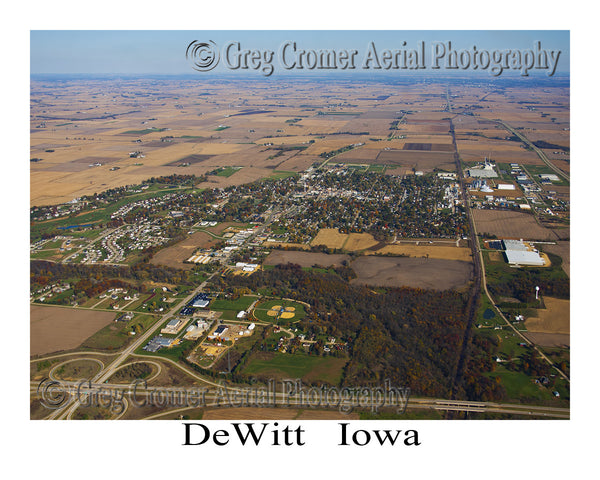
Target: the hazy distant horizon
pixel 162 52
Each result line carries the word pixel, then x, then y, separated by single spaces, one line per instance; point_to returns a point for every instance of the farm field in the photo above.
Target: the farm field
pixel 563 250
pixel 54 329
pixel 555 318
pixel 286 161
pixel 330 237
pixel 431 273
pixel 305 259
pixel 175 255
pixel 441 252
pixel 506 224
pixel 352 242
pixel 549 339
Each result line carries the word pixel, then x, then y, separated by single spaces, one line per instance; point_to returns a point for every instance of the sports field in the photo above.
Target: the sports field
pixel 279 311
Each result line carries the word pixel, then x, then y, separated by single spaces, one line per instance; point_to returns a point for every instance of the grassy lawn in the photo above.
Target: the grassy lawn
pixel 116 335
pixel 45 254
pixel 520 386
pixel 241 303
pixel 327 369
pixel 377 168
pixel 486 314
pixel 174 353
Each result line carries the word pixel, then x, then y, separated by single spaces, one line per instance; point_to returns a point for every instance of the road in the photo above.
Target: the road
pixel 108 371
pixel 281 399
pixel 513 328
pixel 480 276
pixel 540 154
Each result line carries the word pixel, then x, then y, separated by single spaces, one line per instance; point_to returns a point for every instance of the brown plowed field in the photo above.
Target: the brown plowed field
pixel 54 329
pixel 305 259
pixel 555 318
pixel 507 224
pixel 430 273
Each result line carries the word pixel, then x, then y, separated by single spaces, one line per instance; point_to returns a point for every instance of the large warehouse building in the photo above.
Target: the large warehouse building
pixel 518 253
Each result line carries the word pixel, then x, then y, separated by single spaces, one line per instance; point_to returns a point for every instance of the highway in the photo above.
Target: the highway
pixel 212 398
pixel 108 371
pixel 540 154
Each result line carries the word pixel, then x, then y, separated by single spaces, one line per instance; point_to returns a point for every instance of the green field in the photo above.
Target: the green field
pixel 521 387
pixel 377 168
pixel 541 169
pixel 227 171
pixel 144 131
pixel 241 303
pixel 174 353
pixel 313 368
pixel 116 334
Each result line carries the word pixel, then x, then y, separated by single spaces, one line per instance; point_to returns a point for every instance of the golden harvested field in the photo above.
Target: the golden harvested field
pixel 330 237
pixel 359 241
pixel 303 246
pixel 555 318
pixel 85 121
pixel 353 242
pixel 506 224
pixel 53 329
pixel 447 253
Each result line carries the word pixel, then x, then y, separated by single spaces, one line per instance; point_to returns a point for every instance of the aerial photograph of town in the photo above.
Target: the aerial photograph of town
pixel 323 226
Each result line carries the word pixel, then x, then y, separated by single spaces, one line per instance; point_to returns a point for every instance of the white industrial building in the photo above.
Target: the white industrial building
pixel 549 176
pixel 518 257
pixel 518 253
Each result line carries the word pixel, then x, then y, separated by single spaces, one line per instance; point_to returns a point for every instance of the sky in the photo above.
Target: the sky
pixel 163 51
